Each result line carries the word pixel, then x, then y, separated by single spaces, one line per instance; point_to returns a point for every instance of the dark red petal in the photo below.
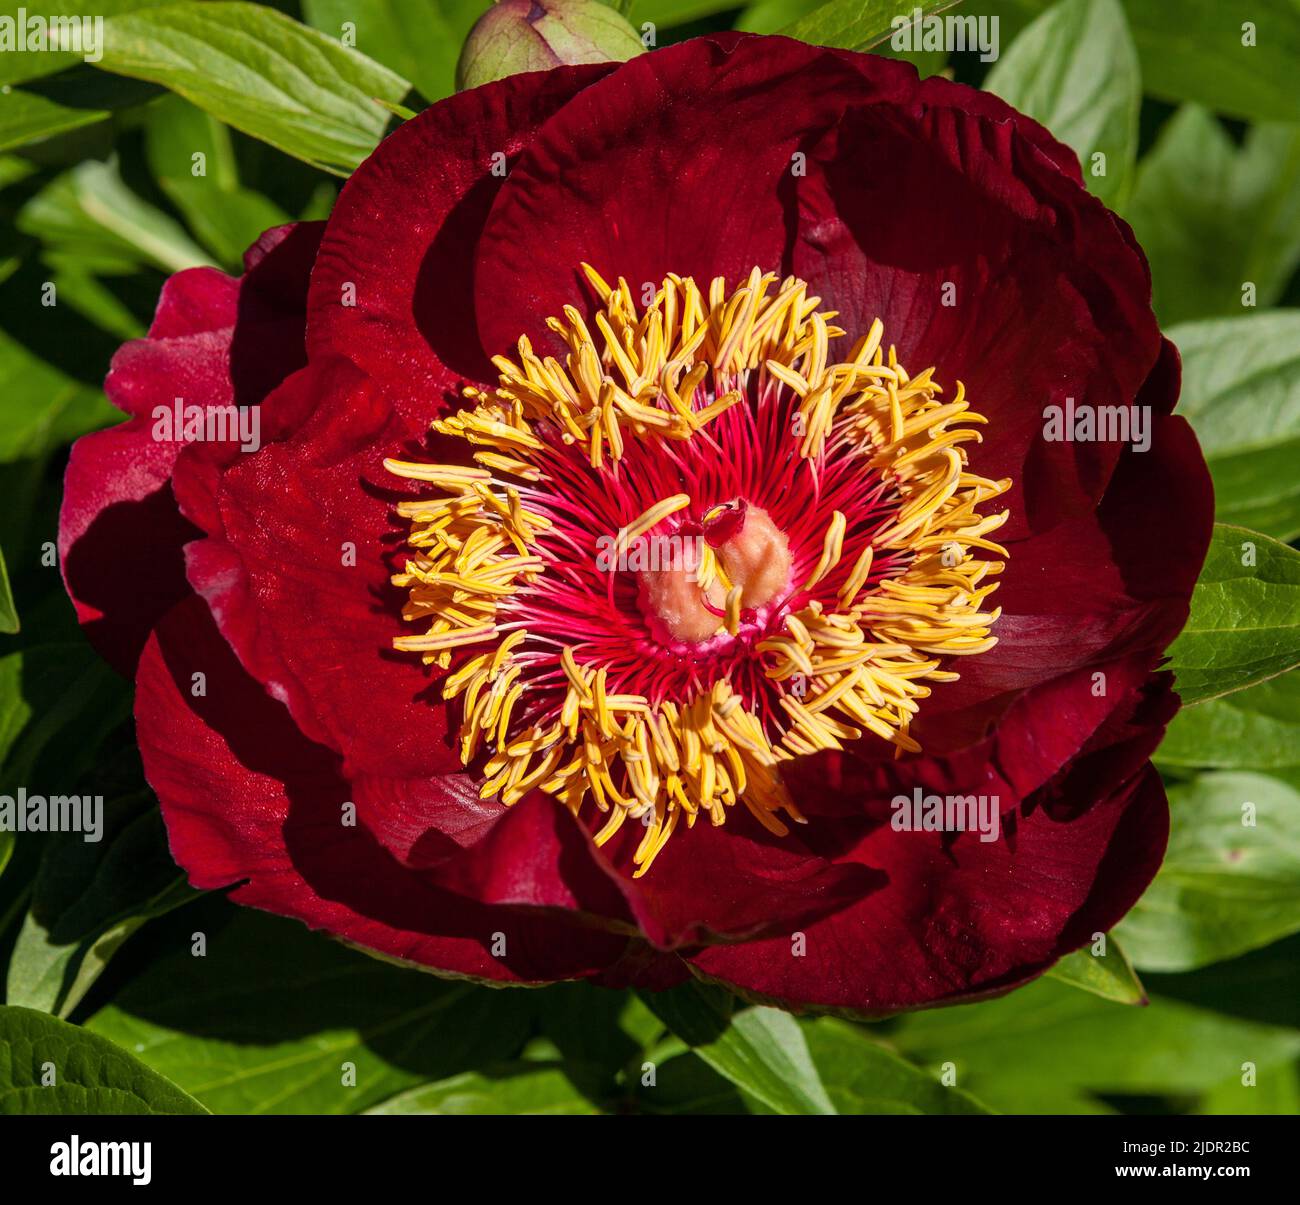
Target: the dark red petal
pixel 679 161
pixel 646 968
pixel 423 821
pixel 402 238
pixel 1061 751
pixel 531 855
pixel 285 527
pixel 1115 751
pixel 983 260
pixel 938 92
pixel 1037 739
pixel 121 538
pixel 1161 388
pixel 1160 557
pixel 725 884
pixel 214 340
pixel 248 799
pixel 961 919
pixel 710 885
pixel 1090 589
pixel 186 351
pixel 732 883
pixel 537 856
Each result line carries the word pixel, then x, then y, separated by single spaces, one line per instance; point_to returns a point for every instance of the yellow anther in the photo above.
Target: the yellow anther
pixel 836 664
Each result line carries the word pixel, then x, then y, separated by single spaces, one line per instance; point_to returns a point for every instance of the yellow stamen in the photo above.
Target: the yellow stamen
pixel 841 659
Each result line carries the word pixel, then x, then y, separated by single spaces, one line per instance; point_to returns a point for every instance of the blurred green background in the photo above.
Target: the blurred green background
pixel 1192 103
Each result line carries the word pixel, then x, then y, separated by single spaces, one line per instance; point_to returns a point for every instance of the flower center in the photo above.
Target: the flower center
pixel 718 576
pixel 694 550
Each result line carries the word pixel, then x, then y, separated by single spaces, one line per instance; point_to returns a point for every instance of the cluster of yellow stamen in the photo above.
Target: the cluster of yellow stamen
pixel 837 665
pixel 870 657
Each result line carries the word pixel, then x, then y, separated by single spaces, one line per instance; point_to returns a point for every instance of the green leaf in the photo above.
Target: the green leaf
pixel 862 1076
pixel 14 709
pixel 1255 729
pixel 1051 1048
pixel 1192 50
pixel 1110 975
pixel 769 16
pixel 21 64
pixel 91 1075
pixel 760 1050
pixel 40 407
pixel 89 897
pixel 776 16
pixel 193 160
pixel 1214 218
pixel 667 13
pixel 1263 985
pixel 419 39
pixel 57 704
pixel 13 169
pixel 92 298
pixel 8 612
pixel 594 1027
pixel 1245 620
pixel 90 210
pixel 1226 886
pixel 522 1088
pixel 42 109
pixel 28 526
pixel 27 117
pixel 859 24
pixel 1075 70
pixel 1241 391
pixel 64 700
pixel 266 1021
pixel 685 1085
pixel 263 73
pixel 1276 1093
pixel 320 203
pixel 401 112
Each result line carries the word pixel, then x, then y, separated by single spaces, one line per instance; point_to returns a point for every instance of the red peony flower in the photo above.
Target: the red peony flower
pixel 653 558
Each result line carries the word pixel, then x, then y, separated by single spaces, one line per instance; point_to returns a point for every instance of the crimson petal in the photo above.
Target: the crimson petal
pixel 214 341
pixel 965 919
pixel 398 303
pixel 248 800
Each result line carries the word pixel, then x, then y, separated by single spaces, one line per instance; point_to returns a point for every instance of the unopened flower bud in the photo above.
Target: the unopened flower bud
pixel 536 35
